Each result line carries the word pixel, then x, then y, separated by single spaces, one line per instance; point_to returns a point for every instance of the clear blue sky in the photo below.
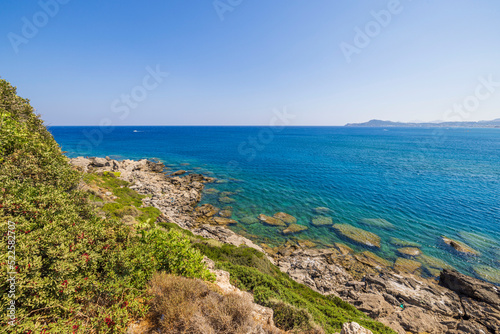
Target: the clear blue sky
pixel 263 55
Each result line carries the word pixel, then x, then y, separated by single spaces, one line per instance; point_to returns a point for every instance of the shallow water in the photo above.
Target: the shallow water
pixel 425 182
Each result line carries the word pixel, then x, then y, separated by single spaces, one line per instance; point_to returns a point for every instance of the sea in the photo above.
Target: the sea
pixel 406 185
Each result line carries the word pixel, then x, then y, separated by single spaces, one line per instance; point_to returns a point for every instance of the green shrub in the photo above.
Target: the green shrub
pixel 75 272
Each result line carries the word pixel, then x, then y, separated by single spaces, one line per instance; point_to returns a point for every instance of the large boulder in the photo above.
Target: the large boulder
pixel 470 287
pixel 358 235
pixel 271 221
pixel 285 217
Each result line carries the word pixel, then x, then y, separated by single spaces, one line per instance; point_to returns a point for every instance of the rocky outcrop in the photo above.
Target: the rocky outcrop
pixel 459 246
pixel 354 328
pixel 387 292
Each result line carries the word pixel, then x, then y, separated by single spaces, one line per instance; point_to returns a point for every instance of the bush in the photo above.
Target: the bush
pixel 182 305
pixel 74 271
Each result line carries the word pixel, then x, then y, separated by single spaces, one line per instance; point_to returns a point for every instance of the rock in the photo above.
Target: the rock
pixel 294 228
pixel 410 251
pixel 470 287
pixel 179 172
pixel 100 162
pixel 484 313
pixel 459 246
pixel 271 220
pixel 377 222
pixel 372 260
pixel 226 200
pixel 374 305
pixel 403 243
pixel 415 320
pixel 354 328
pixel 358 235
pixel 211 191
pixel 321 210
pixel 225 213
pixel 306 243
pixel 322 221
pixel 433 262
pixel 224 221
pixel 207 210
pixel 285 217
pixel 407 265
pixel 156 167
pixel 487 273
pixel 343 249
pixel 249 220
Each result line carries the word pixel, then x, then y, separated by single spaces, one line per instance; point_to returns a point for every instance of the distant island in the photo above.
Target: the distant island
pixel 375 123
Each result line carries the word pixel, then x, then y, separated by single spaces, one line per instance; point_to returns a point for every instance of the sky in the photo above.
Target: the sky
pixel 240 62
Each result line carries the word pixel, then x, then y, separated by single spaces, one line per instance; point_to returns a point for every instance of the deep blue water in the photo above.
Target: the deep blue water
pixel 427 182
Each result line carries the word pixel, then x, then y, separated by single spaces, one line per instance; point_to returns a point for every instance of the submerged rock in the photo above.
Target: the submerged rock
pixel 321 210
pixel 224 221
pixel 211 191
pixel 403 243
pixel 285 217
pixel 407 265
pixel 226 200
pixel 459 246
pixel 372 260
pixel 225 213
pixel 358 235
pixel 433 264
pixel 377 222
pixel 322 221
pixel 249 220
pixel 271 220
pixel 487 273
pixel 207 210
pixel 294 228
pixel 410 251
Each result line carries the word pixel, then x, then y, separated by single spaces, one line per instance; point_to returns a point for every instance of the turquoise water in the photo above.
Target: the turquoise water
pixel 426 182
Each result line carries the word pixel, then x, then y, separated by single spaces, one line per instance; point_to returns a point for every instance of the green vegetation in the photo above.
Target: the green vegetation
pixel 294 304
pixel 74 271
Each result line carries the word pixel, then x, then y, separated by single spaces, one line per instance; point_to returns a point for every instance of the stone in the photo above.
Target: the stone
pixel 100 162
pixel 211 191
pixel 207 210
pixel 373 305
pixel 306 243
pixel 322 221
pixel 415 320
pixel 410 251
pixel 271 221
pixel 470 287
pixel 343 249
pixel 407 265
pixel 225 213
pixel 285 217
pixel 249 220
pixel 358 235
pixel 294 228
pixel 224 221
pixel 433 262
pixel 354 328
pixel 179 172
pixel 377 222
pixel 321 210
pixel 459 246
pixel 403 243
pixel 372 260
pixel 226 200
pixel 487 273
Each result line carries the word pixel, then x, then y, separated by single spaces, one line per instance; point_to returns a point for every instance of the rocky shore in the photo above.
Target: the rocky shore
pixel 397 297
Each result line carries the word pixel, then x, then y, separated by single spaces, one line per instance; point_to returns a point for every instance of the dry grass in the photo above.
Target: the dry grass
pixel 189 306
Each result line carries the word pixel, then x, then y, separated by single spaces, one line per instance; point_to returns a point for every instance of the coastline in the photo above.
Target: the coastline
pixel 399 299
